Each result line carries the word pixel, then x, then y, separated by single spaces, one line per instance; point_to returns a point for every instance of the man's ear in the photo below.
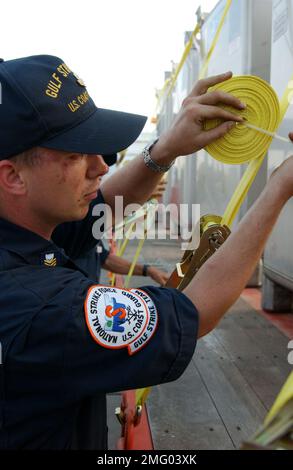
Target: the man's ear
pixel 11 178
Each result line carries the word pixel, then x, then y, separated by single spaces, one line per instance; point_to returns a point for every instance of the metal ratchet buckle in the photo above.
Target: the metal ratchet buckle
pixel 179 270
pixel 212 236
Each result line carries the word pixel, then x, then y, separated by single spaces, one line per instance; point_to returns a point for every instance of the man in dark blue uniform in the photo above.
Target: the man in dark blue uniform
pixel 66 342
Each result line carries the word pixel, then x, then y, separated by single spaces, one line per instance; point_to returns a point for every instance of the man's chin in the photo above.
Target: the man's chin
pixel 77 215
pixel 83 212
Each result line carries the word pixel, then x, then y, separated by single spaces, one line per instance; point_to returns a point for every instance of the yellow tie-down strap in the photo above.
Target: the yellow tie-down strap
pixel 243 144
pixel 170 82
pixel 264 111
pixel 142 394
pixel 284 396
pixel 148 222
pixel 146 210
pixel 207 59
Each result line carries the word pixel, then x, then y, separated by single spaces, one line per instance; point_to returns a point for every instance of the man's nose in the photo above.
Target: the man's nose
pixel 96 166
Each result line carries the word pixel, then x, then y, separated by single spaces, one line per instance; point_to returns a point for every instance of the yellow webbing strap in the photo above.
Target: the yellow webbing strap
pixel 241 191
pixel 134 261
pixel 142 394
pixel 185 54
pixel 162 94
pixel 122 248
pixel 134 217
pixel 207 59
pixel 265 111
pixel 242 144
pixel 131 222
pixel 170 82
pixel 284 396
pixel 148 221
pixel 245 145
pixel 267 115
pixel 238 146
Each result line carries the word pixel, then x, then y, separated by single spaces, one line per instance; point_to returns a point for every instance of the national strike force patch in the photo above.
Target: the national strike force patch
pixel 120 318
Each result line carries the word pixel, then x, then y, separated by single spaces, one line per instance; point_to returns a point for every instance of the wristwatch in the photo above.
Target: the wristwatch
pixel 150 163
pixel 145 270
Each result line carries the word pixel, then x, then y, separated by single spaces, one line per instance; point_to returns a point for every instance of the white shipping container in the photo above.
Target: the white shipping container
pixel 243 47
pixel 278 258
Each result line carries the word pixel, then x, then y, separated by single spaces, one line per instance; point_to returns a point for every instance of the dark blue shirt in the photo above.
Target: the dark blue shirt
pixel 52 366
pixel 92 261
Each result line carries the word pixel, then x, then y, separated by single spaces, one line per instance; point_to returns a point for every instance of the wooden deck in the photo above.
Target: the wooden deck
pixel 230 384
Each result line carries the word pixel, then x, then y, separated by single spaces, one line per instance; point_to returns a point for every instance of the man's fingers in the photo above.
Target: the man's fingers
pixel 203 85
pixel 209 136
pixel 217 97
pixel 215 112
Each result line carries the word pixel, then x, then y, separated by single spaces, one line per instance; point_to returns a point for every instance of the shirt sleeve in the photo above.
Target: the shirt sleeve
pixel 152 341
pixel 76 238
pixel 103 252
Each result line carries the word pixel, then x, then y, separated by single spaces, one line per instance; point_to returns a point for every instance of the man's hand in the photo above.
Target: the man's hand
pixel 157 275
pixel 137 182
pixel 187 135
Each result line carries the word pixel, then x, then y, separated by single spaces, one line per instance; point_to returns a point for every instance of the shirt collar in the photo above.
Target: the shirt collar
pixel 30 246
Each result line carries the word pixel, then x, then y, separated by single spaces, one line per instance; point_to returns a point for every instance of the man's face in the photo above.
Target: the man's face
pixel 63 185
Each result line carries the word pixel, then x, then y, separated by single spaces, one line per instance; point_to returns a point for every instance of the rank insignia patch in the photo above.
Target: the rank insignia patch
pixel 49 259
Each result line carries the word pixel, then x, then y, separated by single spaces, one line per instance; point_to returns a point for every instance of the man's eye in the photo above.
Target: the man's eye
pixel 75 157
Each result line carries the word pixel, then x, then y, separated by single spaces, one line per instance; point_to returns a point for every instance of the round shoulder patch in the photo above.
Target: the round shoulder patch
pixel 120 318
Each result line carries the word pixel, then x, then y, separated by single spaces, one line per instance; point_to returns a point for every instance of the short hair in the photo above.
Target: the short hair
pixel 31 157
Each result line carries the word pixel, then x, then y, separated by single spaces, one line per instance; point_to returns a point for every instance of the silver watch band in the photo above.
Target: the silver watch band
pixel 150 163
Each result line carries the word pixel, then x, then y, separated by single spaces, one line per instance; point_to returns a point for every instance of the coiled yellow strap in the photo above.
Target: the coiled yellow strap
pixel 242 144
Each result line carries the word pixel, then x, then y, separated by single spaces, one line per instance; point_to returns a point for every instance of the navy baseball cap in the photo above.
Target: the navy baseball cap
pixel 44 103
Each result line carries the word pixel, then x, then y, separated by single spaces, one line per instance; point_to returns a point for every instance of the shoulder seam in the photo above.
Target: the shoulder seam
pixel 24 287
